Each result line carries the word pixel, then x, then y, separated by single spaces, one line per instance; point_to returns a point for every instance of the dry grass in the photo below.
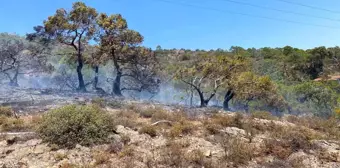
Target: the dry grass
pixel 150 130
pixel 327 126
pixel 126 118
pixel 263 115
pixel 14 124
pixel 127 152
pixel 115 147
pixel 6 111
pixel 101 158
pixel 60 156
pixel 181 128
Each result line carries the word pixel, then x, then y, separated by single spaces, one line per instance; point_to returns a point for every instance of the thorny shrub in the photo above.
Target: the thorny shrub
pixel 71 125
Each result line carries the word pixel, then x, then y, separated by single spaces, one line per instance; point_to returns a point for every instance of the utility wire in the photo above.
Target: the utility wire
pixel 309 6
pixel 245 14
pixel 280 10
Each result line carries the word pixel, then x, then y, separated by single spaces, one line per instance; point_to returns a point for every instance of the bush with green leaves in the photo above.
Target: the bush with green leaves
pixel 72 124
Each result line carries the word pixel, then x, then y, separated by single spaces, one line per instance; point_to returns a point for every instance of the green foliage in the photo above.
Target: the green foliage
pixel 71 125
pixel 319 96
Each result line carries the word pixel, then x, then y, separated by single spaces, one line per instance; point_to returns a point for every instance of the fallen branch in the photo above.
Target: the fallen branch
pixel 162 121
pixel 16 133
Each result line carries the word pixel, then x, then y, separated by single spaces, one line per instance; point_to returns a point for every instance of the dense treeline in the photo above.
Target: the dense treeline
pixel 81 48
pixel 287 79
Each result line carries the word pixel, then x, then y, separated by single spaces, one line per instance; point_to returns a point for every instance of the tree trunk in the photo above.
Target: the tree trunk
pixel 81 86
pixel 96 73
pixel 204 103
pixel 14 81
pixel 228 96
pixel 116 85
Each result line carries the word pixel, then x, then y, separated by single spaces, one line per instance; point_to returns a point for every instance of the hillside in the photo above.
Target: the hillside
pixel 154 135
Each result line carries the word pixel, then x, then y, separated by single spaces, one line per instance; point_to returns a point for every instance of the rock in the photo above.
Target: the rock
pixel 301 159
pixel 328 151
pixel 115 138
pixel 233 131
pixel 207 153
pixel 11 140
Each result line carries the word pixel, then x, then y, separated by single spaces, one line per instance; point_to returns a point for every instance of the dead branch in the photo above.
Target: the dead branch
pixel 162 121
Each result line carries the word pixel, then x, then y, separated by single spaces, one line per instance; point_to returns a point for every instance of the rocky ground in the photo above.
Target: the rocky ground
pixel 154 135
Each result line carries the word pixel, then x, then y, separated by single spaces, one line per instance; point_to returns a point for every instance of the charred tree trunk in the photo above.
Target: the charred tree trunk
pixel 204 103
pixel 228 96
pixel 116 83
pixel 81 86
pixel 14 80
pixel 96 74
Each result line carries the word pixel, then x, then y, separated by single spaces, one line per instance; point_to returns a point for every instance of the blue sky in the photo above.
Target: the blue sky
pixel 173 25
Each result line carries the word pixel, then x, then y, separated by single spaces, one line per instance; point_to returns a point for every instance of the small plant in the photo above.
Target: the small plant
pixel 181 129
pixel 115 147
pixel 60 156
pixel 280 149
pixel 150 130
pixel 125 139
pixel 101 158
pixel 126 118
pixel 6 111
pixel 127 152
pixel 147 113
pixel 239 152
pixel 115 104
pixel 99 102
pixel 212 129
pixel 227 121
pixel 68 165
pixel 263 115
pixel 71 125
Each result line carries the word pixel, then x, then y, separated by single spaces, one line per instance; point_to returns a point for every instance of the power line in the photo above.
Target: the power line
pixel 245 14
pixel 309 6
pixel 280 10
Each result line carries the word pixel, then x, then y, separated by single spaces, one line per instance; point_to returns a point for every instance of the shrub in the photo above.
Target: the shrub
pixel 212 129
pixel 239 152
pixel 6 111
pixel 60 156
pixel 280 149
pixel 227 121
pixel 126 118
pixel 150 130
pixel 181 129
pixel 101 158
pixel 147 113
pixel 115 104
pixel 263 115
pixel 71 125
pixel 127 152
pixel 13 124
pixel 163 115
pixel 99 101
pixel 125 139
pixel 115 147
